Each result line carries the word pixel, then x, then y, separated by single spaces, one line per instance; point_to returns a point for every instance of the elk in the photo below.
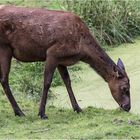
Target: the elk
pixel 60 39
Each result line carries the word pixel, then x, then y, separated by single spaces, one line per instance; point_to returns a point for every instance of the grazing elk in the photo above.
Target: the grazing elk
pixel 60 39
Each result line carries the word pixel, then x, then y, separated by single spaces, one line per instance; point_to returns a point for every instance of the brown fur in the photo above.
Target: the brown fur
pixel 61 39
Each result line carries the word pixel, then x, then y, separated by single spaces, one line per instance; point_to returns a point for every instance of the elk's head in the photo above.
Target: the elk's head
pixel 120 86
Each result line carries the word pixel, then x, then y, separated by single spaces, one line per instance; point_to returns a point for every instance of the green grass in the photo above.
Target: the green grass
pixel 66 124
pixel 50 4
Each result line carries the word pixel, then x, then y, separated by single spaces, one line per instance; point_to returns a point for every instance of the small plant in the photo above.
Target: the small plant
pixel 27 78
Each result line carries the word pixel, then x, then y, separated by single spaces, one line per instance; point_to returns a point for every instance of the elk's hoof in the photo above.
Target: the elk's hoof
pixel 19 113
pixel 43 116
pixel 78 109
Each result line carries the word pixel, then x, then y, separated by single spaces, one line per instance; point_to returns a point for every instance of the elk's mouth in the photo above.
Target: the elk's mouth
pixel 125 107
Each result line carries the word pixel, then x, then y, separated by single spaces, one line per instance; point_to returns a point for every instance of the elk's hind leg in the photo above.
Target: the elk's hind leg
pixel 5 62
pixel 65 76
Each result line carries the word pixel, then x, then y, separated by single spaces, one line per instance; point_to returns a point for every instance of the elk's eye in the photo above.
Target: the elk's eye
pixel 124 90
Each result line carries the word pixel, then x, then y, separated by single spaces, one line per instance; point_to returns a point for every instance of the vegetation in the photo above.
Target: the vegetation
pixel 65 124
pixel 112 22
pixel 53 4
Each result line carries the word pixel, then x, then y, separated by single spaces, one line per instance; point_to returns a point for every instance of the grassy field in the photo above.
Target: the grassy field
pixel 65 124
pixel 90 90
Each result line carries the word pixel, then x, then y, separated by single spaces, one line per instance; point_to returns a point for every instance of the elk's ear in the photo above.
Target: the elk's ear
pixel 120 64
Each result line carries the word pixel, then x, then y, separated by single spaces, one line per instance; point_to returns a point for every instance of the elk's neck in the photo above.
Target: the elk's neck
pixel 99 60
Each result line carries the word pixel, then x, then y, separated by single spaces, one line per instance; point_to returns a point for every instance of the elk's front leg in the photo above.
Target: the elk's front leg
pixel 5 62
pixel 48 74
pixel 65 76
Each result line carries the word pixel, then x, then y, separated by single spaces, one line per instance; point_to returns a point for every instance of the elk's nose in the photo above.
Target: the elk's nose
pixel 126 107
